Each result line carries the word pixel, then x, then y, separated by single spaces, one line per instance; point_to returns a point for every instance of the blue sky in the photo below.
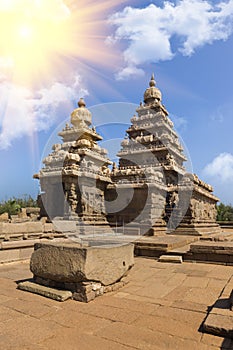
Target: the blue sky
pixel 109 58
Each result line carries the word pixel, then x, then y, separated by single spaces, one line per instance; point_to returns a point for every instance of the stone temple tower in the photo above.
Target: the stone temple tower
pixel 151 159
pixel 75 176
pixel 151 165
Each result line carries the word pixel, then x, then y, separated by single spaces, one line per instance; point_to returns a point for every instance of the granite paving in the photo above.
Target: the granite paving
pixel 162 307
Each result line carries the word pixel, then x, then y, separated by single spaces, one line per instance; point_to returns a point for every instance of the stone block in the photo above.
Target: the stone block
pixel 34 227
pixel 64 226
pixel 96 286
pixel 175 259
pixel 48 228
pixel 23 213
pixel 25 253
pixel 87 288
pixel 4 217
pixel 33 211
pixel 107 289
pixel 18 244
pixel 10 255
pixel 221 325
pixel 68 262
pixel 59 295
pixel 222 248
pixel 84 297
pixel 22 228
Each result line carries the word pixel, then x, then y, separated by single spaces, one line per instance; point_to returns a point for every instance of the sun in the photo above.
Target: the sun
pixel 31 42
pixel 40 37
pixel 26 33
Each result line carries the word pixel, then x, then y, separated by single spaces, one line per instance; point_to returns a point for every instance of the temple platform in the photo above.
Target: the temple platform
pixel 213 247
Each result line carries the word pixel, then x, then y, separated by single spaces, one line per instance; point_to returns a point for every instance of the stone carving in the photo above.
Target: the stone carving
pixel 174 200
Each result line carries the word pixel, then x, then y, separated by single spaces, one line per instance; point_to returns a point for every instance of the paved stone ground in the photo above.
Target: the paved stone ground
pixel 162 307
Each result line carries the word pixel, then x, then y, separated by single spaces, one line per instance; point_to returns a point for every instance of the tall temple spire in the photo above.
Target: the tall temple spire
pixel 152 81
pixel 152 93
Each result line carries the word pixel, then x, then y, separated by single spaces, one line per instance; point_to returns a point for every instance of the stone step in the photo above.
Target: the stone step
pixel 52 293
pixel 28 243
pixel 218 237
pixel 220 319
pixel 212 247
pixel 176 259
pixel 220 325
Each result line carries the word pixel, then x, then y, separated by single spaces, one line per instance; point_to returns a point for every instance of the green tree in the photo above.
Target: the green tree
pixel 224 212
pixel 13 205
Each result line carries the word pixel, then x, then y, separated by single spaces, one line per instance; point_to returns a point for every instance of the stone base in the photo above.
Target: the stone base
pixel 83 291
pixel 156 246
pixel 220 319
pixel 212 251
pixel 142 229
pixel 197 229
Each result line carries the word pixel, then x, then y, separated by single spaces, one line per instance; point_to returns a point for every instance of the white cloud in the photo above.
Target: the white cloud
pixel 150 32
pixel 221 168
pixel 23 111
pixel 129 71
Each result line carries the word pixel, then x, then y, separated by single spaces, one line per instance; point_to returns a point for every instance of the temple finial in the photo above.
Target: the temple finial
pixel 152 81
pixel 81 103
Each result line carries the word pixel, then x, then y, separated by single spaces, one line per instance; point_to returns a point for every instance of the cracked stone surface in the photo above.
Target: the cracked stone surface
pixel 162 307
pixel 68 262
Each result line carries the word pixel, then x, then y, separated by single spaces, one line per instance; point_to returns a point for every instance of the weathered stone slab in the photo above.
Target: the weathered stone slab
pixel 212 247
pixel 221 325
pixel 177 259
pixel 164 243
pixel 64 226
pixel 18 244
pixel 20 228
pixel 56 294
pixel 68 262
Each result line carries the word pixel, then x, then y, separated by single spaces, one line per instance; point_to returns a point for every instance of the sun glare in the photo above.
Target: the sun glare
pixel 26 32
pixel 41 39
